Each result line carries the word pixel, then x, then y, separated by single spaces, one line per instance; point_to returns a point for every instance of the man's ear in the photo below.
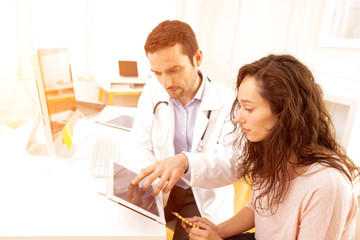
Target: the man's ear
pixel 198 56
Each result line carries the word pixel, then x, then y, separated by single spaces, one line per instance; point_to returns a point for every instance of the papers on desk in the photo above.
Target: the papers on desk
pixel 127 83
pixel 124 122
pixel 127 86
pixel 118 85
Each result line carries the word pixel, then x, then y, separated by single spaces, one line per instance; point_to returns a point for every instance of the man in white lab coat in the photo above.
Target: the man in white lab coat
pixel 183 119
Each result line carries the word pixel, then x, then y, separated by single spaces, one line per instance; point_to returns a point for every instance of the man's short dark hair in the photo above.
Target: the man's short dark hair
pixel 168 33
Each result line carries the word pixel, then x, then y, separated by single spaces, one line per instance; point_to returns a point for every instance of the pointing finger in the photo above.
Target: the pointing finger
pixel 144 173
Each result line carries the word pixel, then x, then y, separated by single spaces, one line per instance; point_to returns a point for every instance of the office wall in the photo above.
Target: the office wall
pixel 96 32
pixel 235 32
pixel 230 33
pixel 119 31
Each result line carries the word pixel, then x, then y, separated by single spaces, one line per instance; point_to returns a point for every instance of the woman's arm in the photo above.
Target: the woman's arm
pixel 243 221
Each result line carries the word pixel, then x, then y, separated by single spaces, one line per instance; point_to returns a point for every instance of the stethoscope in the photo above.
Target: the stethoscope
pixel 199 147
pixel 157 105
pixel 155 110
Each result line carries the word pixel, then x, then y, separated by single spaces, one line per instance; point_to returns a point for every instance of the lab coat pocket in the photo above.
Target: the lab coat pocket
pixel 162 132
pixel 162 144
pixel 159 139
pixel 160 128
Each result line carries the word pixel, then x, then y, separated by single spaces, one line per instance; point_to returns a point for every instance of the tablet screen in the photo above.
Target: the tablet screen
pixel 123 122
pixel 123 192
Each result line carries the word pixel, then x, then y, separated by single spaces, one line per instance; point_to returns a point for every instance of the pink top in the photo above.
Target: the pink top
pixel 321 205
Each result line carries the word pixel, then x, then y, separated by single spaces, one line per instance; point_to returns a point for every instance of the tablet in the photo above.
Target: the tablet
pixel 120 190
pixel 124 122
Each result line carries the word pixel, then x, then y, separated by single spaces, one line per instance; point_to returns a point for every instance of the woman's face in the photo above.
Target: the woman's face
pixel 254 115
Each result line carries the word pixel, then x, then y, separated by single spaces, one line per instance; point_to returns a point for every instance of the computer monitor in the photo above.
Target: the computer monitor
pixel 59 113
pixel 128 68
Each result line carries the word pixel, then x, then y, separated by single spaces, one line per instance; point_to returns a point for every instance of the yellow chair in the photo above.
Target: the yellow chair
pixel 169 234
pixel 357 224
pixel 242 195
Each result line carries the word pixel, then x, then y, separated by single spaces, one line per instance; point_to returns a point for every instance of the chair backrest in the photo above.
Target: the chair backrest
pixel 357 220
pixel 242 195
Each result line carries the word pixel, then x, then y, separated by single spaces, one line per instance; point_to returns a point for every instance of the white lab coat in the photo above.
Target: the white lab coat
pixel 153 134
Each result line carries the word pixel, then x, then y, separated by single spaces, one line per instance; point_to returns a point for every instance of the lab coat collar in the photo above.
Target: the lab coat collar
pixel 210 100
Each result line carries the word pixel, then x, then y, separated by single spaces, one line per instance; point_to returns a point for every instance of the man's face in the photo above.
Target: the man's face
pixel 175 72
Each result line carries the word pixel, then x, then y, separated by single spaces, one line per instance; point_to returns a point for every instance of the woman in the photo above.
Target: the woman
pixel 302 180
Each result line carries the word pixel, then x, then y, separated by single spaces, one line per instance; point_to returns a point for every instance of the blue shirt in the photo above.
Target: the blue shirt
pixel 185 117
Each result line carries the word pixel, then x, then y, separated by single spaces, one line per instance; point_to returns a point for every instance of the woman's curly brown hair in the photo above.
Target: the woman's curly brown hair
pixel 304 129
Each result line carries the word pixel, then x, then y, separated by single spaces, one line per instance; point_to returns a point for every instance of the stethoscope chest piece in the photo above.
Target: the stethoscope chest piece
pixel 199 148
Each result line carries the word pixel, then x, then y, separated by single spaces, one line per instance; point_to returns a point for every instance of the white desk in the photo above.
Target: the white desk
pixel 131 86
pixel 48 198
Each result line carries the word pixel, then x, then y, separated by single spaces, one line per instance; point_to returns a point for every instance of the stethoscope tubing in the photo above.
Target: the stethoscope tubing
pixel 157 105
pixel 199 147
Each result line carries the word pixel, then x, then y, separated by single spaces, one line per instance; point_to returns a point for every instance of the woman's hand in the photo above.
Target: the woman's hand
pixel 207 229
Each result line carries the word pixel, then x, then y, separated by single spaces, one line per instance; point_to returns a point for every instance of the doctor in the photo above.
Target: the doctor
pixel 182 122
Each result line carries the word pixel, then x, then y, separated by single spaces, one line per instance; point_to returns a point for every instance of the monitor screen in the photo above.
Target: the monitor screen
pixel 56 77
pixel 56 96
pixel 128 68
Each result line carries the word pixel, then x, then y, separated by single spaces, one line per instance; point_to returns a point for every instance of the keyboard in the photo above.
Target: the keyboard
pixel 105 149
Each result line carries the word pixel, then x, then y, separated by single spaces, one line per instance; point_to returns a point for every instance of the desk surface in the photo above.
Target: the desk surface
pixel 55 198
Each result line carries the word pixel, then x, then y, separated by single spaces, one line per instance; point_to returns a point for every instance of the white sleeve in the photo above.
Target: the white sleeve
pixel 213 168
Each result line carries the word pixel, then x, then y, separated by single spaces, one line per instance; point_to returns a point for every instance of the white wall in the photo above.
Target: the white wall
pixel 96 32
pixel 230 33
pixel 234 32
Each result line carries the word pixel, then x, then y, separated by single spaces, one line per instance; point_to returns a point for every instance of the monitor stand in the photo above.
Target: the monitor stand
pixel 37 148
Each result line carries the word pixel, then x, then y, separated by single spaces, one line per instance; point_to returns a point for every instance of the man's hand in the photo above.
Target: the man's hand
pixel 169 170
